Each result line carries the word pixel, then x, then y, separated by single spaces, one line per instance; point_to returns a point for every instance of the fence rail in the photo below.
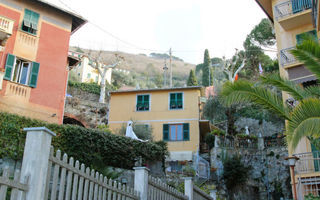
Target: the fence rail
pixel 160 190
pixel 70 180
pixel 291 7
pixel 14 185
pixel 199 194
pixel 308 162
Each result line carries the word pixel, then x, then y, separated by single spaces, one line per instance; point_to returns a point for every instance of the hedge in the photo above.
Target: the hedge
pixel 87 87
pixel 95 148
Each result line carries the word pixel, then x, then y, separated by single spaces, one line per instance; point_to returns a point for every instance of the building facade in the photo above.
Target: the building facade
pixel 34 37
pixel 173 114
pixel 292 20
pixel 85 72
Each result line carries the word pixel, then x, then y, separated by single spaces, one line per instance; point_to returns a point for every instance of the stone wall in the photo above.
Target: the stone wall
pixel 269 175
pixel 85 107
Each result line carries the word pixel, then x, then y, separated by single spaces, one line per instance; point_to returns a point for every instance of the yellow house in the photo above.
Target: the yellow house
pixel 85 72
pixel 173 113
pixel 291 19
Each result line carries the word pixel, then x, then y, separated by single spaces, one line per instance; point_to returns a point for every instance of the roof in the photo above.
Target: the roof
pixel 158 89
pixel 77 20
pixel 266 6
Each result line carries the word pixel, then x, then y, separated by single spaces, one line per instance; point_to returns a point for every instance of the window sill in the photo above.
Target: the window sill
pixel 25 32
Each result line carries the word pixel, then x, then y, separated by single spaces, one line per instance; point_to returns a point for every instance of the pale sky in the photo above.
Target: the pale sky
pixel 146 26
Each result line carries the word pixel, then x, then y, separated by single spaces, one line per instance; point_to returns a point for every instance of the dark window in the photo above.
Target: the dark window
pixel 30 21
pixel 176 100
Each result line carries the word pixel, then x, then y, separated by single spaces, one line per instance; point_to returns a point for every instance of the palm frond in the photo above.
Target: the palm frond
pixel 309 53
pixel 313 91
pixel 243 92
pixel 290 87
pixel 305 121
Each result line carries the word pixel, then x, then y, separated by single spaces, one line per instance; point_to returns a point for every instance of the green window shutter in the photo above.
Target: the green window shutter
pixel 172 100
pixel 9 66
pixel 302 36
pixel 34 20
pixel 146 98
pixel 179 100
pixel 186 134
pixel 165 132
pixel 27 18
pixel 34 74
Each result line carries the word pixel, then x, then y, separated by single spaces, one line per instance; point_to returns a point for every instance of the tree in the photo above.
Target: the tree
pixel 302 111
pixel 206 69
pixel 102 68
pixel 192 80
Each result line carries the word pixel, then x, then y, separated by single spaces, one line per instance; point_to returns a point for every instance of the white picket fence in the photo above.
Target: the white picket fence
pixel 70 180
pixel 160 190
pixel 45 176
pixel 14 185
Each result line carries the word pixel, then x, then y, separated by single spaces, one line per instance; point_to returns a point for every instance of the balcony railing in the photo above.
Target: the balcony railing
pixel 308 162
pixel 286 58
pixel 6 25
pixel 291 7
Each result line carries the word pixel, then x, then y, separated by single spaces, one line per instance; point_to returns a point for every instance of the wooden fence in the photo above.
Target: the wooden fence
pixel 55 177
pixel 199 194
pixel 70 180
pixel 160 190
pixel 11 187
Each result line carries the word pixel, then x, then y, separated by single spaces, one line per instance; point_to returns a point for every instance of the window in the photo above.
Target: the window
pixel 88 75
pixel 143 102
pixel 176 100
pixel 30 22
pixel 302 36
pixel 176 132
pixel 21 71
pixel 97 79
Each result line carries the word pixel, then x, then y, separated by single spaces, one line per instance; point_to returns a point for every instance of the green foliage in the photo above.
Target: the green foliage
pixel 245 136
pixel 209 139
pixel 87 87
pixel 311 197
pixel 142 131
pixel 218 132
pixel 92 147
pixel 214 110
pixel 263 33
pixel 235 173
pixel 192 80
pixel 206 69
pixel 188 171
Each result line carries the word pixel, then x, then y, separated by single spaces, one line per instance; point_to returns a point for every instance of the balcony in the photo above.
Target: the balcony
pixel 287 60
pixel 6 26
pixel 308 163
pixel 294 13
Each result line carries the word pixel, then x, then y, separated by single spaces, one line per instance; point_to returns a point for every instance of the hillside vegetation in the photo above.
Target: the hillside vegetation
pixel 146 71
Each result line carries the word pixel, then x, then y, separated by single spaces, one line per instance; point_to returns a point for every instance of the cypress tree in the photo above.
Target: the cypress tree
pixel 206 68
pixel 192 80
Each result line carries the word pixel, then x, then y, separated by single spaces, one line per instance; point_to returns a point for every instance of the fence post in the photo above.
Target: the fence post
pixel 188 187
pixel 141 181
pixel 35 161
pixel 260 142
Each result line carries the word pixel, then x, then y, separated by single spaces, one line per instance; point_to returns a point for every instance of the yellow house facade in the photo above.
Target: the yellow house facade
pixel 173 114
pixel 85 72
pixel 292 19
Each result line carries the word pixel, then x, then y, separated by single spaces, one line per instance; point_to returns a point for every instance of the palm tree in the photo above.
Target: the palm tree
pixel 302 111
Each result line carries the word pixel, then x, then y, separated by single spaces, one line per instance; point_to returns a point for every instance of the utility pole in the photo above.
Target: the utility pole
pixel 165 68
pixel 170 53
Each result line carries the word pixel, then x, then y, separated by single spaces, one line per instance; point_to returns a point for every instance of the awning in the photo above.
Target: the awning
pixel 300 74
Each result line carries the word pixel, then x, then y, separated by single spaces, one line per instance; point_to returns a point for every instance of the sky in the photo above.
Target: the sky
pixel 145 26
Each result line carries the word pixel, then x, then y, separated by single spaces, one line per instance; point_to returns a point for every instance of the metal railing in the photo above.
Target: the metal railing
pixel 286 58
pixel 308 186
pixel 291 7
pixel 308 162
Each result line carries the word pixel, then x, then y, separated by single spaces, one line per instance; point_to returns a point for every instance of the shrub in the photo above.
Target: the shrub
pixel 95 148
pixel 218 132
pixel 87 87
pixel 235 173
pixel 209 139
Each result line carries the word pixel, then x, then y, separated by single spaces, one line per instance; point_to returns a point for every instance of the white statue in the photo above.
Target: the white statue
pixel 131 134
pixel 247 130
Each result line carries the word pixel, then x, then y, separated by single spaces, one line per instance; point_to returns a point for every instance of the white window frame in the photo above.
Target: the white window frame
pixel 18 78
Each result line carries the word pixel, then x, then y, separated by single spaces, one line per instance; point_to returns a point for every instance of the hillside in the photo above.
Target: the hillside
pixel 147 68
